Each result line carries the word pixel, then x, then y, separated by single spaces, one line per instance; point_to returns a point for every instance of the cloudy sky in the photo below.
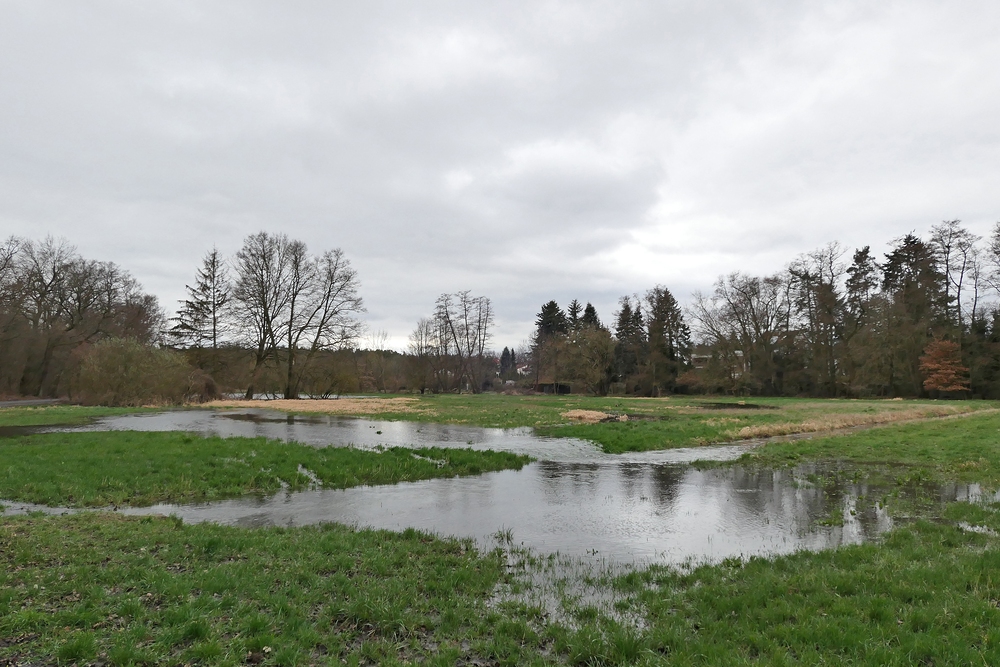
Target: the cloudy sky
pixel 524 150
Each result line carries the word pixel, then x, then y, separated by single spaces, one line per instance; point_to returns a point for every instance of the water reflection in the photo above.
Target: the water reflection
pixel 575 500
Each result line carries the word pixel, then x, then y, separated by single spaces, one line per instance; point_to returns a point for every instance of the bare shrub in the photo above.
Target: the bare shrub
pixel 124 372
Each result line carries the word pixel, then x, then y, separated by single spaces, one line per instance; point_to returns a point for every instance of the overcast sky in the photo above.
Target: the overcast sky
pixel 524 150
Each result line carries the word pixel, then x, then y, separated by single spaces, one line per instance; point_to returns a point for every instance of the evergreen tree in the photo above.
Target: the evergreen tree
pixel 573 311
pixel 629 331
pixel 201 321
pixel 589 317
pixel 862 282
pixel 551 320
pixel 668 337
pixel 506 363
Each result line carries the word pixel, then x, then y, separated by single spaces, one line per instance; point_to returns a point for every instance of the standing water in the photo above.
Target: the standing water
pixel 575 500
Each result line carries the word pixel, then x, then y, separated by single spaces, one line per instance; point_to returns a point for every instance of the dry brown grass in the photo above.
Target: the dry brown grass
pixel 835 422
pixel 334 406
pixel 585 416
pixel 719 421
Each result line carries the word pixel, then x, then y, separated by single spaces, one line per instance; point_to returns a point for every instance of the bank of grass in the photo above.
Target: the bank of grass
pixel 965 449
pixel 48 415
pixel 94 469
pixel 642 424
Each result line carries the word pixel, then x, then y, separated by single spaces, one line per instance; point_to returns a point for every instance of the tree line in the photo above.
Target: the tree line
pixel 918 321
pixel 864 327
pixel 285 307
pixel 646 352
pixel 55 305
pixel 278 319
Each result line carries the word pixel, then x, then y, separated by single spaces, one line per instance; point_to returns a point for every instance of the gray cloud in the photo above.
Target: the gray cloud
pixel 525 150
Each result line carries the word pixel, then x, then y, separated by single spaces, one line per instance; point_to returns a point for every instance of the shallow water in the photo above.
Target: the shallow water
pixel 576 500
pixel 333 431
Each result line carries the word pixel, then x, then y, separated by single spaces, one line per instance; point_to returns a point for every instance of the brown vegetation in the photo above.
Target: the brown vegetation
pixel 585 416
pixel 338 406
pixel 124 372
pixel 835 422
pixel 942 367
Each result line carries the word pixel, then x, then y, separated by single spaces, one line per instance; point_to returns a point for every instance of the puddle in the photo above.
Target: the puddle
pixel 648 507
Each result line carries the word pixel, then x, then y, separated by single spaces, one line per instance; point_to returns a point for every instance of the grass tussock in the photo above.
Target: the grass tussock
pixel 585 416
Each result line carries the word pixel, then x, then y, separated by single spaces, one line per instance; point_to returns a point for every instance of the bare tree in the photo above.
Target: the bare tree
pixel 293 303
pixel 463 323
pixel 260 296
pixel 54 301
pixel 815 281
pixel 956 252
pixel 745 318
pixel 423 348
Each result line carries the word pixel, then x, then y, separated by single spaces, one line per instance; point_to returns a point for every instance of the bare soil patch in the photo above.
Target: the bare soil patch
pixel 333 406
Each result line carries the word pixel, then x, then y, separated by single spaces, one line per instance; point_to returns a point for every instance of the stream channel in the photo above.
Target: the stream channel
pixel 575 500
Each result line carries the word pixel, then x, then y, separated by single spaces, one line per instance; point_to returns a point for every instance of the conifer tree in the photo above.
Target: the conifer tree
pixel 589 317
pixel 573 312
pixel 201 321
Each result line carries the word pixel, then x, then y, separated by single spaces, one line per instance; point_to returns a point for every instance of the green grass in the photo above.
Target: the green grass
pixel 102 588
pixel 960 449
pixel 59 414
pixel 127 591
pixel 926 596
pixel 664 423
pixel 96 469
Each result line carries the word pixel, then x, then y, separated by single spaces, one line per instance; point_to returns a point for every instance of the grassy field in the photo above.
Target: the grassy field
pixel 96 469
pixel 59 414
pixel 109 589
pixel 105 589
pixel 637 424
pixel 965 449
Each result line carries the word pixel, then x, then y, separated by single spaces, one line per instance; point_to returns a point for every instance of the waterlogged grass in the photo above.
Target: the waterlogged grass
pixel 59 414
pixel 926 596
pixel 96 469
pixel 641 424
pixel 960 449
pixel 124 591
pixel 634 424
